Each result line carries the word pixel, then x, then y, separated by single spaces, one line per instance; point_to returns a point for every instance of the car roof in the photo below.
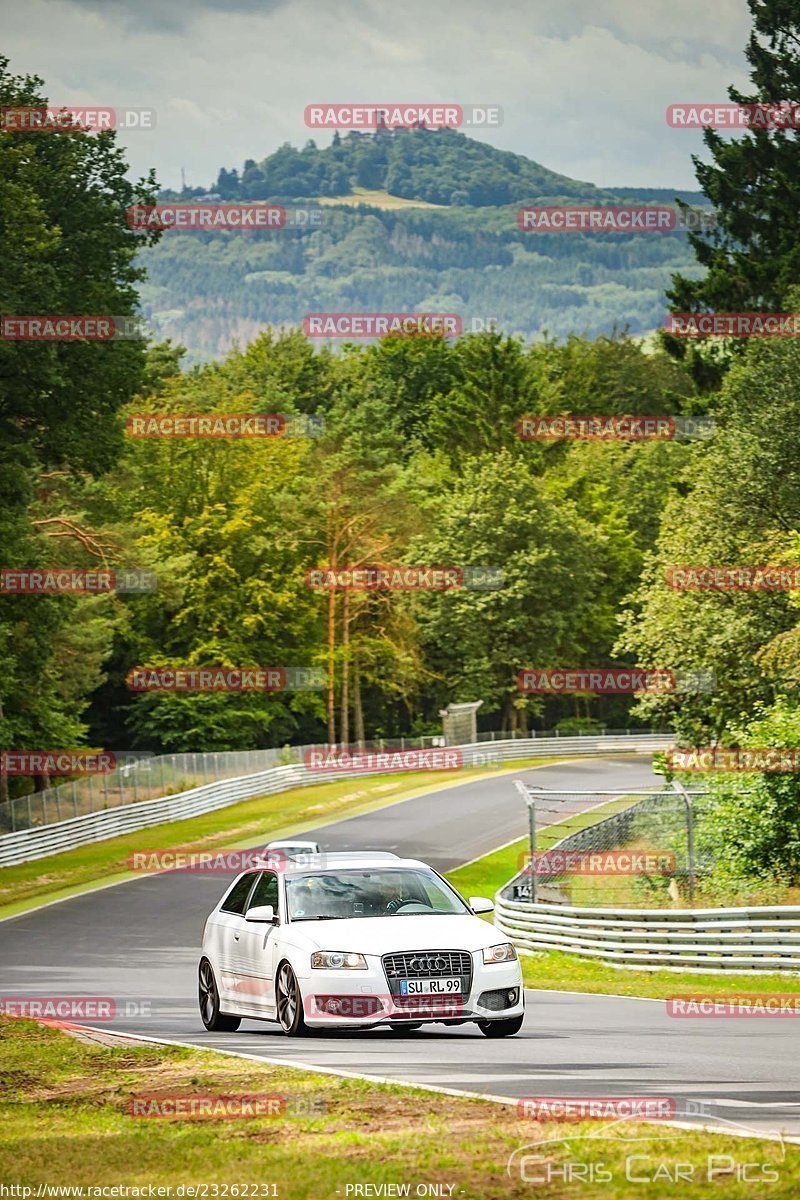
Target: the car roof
pixel 289 842
pixel 344 861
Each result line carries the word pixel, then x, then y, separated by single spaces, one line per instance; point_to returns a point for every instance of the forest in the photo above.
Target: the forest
pixel 404 451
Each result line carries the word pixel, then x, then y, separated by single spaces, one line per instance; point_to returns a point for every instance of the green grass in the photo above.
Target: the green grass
pixel 64 1108
pixel 262 819
pixel 554 971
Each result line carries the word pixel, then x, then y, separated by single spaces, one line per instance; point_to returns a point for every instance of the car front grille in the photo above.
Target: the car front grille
pixel 428 964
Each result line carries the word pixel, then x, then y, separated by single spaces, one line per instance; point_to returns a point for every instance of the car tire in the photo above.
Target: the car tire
pixel 502 1028
pixel 289 1000
pixel 412 1028
pixel 208 998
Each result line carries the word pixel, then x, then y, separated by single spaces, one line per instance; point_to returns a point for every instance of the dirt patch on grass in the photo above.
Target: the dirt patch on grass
pixel 13 1081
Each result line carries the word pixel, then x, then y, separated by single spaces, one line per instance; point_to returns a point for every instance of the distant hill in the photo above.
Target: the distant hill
pixel 439 166
pixel 377 251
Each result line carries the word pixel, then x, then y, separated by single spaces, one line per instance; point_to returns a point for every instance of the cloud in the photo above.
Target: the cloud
pixel 584 85
pixel 163 15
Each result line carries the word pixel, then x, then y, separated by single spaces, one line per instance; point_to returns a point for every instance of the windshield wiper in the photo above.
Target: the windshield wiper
pixel 293 919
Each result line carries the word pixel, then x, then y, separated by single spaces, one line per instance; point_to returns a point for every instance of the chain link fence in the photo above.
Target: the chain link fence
pixel 603 849
pixel 136 778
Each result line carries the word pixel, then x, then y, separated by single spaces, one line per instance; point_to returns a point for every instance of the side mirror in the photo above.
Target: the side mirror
pixel 263 913
pixel 479 904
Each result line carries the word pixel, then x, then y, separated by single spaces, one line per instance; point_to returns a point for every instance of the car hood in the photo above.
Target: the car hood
pixel 385 935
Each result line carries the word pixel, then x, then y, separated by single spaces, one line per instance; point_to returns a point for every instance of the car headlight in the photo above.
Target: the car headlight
pixel 505 952
pixel 338 960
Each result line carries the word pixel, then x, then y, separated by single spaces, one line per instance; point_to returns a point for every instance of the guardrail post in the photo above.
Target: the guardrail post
pixel 530 801
pixel 687 800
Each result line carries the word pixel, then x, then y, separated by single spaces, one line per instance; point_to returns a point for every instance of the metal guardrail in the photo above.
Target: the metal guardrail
pixel 758 938
pixel 141 776
pixel 711 939
pixel 44 840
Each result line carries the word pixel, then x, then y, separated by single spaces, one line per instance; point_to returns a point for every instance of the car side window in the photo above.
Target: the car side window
pixel 236 898
pixel 265 891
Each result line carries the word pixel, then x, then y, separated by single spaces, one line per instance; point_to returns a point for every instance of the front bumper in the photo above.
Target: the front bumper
pixel 363 999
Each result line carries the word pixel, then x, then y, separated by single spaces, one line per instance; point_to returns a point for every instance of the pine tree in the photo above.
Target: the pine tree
pixel 753 256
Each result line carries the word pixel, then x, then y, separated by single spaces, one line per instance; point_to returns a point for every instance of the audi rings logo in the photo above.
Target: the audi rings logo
pixel 428 964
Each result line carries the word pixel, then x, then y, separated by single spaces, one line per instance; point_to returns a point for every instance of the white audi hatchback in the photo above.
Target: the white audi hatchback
pixel 355 940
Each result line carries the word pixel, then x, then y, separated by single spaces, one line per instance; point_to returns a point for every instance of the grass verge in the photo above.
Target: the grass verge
pixel 66 1120
pixel 264 818
pixel 553 971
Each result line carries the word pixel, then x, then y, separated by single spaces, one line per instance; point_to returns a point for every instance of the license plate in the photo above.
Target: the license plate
pixel 429 987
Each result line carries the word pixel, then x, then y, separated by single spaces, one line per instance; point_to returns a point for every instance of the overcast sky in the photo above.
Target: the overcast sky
pixel 583 83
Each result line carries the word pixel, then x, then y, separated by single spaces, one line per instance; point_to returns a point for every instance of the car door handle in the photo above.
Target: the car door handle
pixel 236 937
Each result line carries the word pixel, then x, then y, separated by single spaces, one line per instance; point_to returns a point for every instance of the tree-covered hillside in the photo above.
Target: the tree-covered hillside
pixel 440 166
pixel 210 289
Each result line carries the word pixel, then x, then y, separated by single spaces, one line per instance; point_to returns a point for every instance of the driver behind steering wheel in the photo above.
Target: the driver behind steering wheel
pixel 392 896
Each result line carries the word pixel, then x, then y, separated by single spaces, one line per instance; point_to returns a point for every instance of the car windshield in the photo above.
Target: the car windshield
pixel 323 896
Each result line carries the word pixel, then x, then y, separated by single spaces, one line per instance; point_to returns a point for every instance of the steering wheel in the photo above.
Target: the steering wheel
pixel 398 904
